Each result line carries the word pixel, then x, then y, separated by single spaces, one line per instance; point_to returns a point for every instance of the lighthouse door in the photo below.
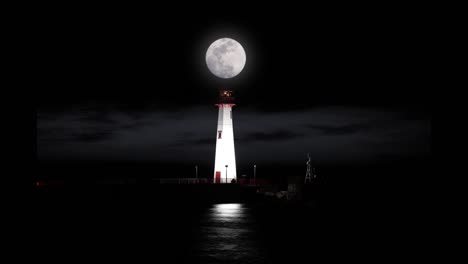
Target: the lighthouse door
pixel 218 177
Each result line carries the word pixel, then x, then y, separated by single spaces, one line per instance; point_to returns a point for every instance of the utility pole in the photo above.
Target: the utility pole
pixel 255 174
pixel 226 172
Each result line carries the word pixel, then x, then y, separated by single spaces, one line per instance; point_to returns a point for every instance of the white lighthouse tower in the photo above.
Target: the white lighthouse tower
pixel 225 158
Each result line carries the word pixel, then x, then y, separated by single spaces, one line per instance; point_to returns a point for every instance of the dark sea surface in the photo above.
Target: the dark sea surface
pixel 229 233
pixel 133 225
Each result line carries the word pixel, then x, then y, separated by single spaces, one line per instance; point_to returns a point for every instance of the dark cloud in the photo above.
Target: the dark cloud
pixel 97 117
pixel 340 130
pixel 269 136
pixel 330 134
pixel 93 137
pixel 202 141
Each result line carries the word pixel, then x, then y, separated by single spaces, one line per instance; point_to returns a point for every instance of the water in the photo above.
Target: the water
pixel 136 229
pixel 227 234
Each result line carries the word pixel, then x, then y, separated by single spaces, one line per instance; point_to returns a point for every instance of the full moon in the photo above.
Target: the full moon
pixel 225 58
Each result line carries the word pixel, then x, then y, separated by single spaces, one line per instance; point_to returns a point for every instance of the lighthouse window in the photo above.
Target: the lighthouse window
pixel 219 134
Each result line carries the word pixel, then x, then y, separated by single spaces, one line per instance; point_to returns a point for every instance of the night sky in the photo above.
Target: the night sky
pixel 134 90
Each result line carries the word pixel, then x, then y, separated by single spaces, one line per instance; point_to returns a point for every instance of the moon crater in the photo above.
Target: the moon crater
pixel 225 58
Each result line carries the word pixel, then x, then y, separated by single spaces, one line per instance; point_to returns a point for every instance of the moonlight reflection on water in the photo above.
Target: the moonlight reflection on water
pixel 228 235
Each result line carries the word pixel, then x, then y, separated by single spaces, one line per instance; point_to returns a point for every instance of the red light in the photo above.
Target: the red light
pixel 39 183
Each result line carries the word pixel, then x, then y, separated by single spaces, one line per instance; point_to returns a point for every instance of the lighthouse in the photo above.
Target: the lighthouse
pixel 225 158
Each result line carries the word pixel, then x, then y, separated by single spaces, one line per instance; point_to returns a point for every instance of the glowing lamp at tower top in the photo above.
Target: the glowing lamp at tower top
pixel 225 58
